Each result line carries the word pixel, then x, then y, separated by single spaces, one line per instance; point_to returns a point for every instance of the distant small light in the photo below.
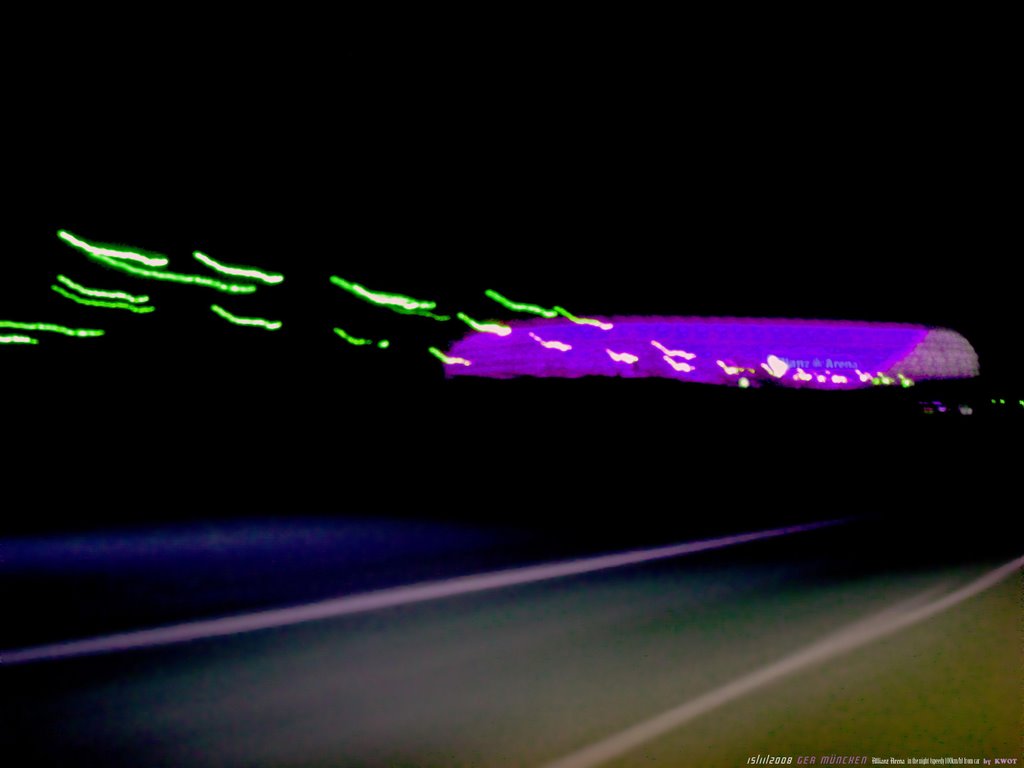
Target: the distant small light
pixel 744 382
pixel 966 410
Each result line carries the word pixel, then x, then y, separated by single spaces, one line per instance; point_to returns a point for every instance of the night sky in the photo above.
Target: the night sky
pixel 742 174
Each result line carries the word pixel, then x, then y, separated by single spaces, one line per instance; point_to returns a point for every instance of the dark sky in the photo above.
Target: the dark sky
pixel 860 173
pixel 739 174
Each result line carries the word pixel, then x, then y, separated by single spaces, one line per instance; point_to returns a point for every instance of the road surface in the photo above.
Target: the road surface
pixel 793 645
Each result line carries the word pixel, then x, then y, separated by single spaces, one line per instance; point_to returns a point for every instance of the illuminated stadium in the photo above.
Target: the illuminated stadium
pixel 821 354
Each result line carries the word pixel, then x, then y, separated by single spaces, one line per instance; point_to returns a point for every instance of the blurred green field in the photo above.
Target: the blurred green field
pixel 952 686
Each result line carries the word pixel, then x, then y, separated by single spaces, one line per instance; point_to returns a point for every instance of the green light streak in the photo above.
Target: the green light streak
pixel 448 360
pixel 517 307
pixel 174 277
pixel 97 294
pixel 583 320
pixel 270 278
pixel 356 342
pixel 495 328
pixel 103 304
pixel 389 300
pixel 352 339
pixel 422 313
pixel 251 322
pixel 150 260
pixel 81 333
pixel 18 340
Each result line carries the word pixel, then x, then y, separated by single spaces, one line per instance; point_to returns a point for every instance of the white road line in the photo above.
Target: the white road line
pixel 385 598
pixel 888 621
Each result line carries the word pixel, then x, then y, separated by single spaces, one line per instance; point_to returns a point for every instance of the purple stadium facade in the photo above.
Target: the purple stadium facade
pixel 823 354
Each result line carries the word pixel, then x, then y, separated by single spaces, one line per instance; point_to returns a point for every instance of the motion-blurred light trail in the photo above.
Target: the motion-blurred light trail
pixel 583 320
pixel 853 636
pixel 446 359
pixel 515 306
pixel 100 303
pixel 422 313
pixel 80 333
pixel 252 322
pixel 270 278
pixel 385 598
pixel 92 249
pixel 95 293
pixel 681 366
pixel 673 352
pixel 16 339
pixel 560 346
pixel 389 300
pixel 357 342
pixel 622 357
pixel 172 277
pixel 496 328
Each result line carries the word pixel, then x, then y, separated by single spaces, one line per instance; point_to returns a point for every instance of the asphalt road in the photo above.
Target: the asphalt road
pixel 795 645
